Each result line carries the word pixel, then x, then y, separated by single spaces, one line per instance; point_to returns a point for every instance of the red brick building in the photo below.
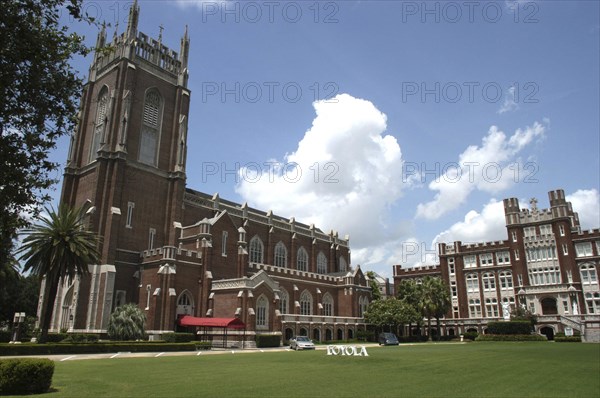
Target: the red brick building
pixel 174 250
pixel 547 264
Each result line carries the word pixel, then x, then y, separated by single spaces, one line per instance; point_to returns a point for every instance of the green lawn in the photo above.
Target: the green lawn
pixel 432 370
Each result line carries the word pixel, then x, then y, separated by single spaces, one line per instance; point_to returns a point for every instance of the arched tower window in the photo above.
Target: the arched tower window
pixel 256 250
pixel 343 264
pixel 284 299
pixel 302 260
pixel 100 123
pixel 280 255
pixel 151 119
pixel 262 313
pixel 305 303
pixel 321 263
pixel 327 305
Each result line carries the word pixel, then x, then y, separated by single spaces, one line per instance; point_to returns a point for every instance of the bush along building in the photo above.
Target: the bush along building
pixel 548 266
pixel 176 251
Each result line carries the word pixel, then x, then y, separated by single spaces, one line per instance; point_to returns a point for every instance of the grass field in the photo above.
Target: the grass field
pixel 423 370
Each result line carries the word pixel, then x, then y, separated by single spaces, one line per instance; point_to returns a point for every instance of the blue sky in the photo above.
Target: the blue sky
pixel 399 123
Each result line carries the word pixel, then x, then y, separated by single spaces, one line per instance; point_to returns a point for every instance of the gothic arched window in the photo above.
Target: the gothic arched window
pixel 302 260
pixel 280 255
pixel 256 250
pixel 100 123
pixel 321 263
pixel 151 119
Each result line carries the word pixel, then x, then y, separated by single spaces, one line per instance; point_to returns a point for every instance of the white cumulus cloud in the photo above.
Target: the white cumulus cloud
pixel 586 202
pixel 344 174
pixel 492 167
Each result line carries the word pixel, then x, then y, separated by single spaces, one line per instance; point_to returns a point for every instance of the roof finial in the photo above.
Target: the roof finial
pixel 161 28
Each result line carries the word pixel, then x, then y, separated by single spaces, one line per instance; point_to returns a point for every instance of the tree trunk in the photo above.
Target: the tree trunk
pixel 428 328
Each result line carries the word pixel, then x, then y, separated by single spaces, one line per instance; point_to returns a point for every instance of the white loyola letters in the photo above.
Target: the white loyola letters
pixel 351 350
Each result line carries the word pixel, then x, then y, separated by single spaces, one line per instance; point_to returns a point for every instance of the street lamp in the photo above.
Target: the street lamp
pixel 17 321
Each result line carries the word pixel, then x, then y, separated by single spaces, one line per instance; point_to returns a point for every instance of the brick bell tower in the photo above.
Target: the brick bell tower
pixel 127 160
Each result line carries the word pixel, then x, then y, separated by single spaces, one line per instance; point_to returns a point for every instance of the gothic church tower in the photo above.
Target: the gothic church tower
pixel 127 160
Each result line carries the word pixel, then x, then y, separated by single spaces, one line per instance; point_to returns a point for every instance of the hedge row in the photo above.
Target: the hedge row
pixel 25 376
pixel 63 348
pixel 567 339
pixel 511 337
pixel 509 327
pixel 177 337
pixel 267 340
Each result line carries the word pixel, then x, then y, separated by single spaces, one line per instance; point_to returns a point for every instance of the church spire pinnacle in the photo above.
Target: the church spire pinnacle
pixel 132 22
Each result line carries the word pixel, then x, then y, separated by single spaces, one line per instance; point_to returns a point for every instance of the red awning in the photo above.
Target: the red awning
pixel 229 323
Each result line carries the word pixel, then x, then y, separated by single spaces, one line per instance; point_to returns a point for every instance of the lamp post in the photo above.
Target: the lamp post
pixel 17 321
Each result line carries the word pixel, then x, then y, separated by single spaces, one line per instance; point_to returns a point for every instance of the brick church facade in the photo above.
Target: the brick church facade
pixel 547 265
pixel 176 251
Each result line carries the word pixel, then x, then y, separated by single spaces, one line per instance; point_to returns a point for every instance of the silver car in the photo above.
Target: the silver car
pixel 301 343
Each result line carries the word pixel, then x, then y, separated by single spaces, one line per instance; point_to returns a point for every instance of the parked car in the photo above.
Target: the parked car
pixel 388 339
pixel 301 343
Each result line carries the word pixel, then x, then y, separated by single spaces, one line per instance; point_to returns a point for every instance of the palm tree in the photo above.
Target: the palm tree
pixel 58 247
pixel 434 301
pixel 127 323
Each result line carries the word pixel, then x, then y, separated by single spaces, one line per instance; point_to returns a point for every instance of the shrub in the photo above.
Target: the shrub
pixel 567 339
pixel 56 337
pixel 5 336
pixel 268 340
pixel 25 376
pixel 366 335
pixel 95 348
pixel 78 338
pixel 127 323
pixel 203 345
pixel 509 327
pixel 177 337
pixel 511 337
pixel 470 335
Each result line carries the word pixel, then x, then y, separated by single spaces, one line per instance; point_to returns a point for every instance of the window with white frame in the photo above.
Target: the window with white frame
pixel 451 267
pixel 486 259
pixel 129 219
pixel 363 304
pixel 514 236
pixel 592 301
pixel 588 274
pixel 453 289
pixel 284 299
pixel 151 237
pixel 280 255
pixel 583 249
pixel 505 278
pixel 327 305
pixel 520 279
pixel 503 257
pixel 302 260
pixel 305 303
pixel 262 310
pixel 321 263
pixel 472 283
pixel 549 275
pixel 224 244
pixel 101 122
pixel 540 253
pixel 151 119
pixel 256 250
pixel 470 261
pixel 545 229
pixel 561 230
pixel 510 301
pixel 474 308
pixel 529 232
pixel 489 282
pixel 491 307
